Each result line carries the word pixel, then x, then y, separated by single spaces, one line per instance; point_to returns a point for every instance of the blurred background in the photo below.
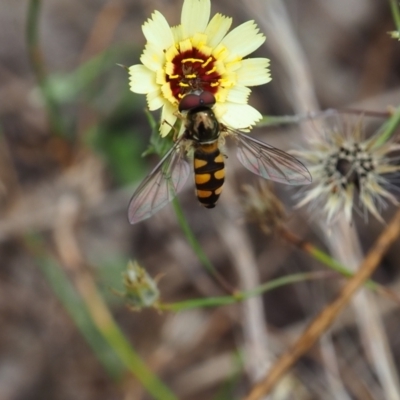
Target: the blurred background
pixel 71 142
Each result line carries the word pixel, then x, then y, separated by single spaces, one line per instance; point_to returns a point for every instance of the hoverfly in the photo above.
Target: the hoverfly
pixel 204 134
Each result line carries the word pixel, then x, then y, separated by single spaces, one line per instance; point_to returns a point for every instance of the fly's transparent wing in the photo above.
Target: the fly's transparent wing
pixel 160 186
pixel 269 162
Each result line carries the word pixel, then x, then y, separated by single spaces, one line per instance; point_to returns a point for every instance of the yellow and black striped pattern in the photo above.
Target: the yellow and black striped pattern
pixel 209 173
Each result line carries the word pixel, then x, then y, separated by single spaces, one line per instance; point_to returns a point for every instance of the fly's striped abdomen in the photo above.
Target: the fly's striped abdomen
pixel 209 173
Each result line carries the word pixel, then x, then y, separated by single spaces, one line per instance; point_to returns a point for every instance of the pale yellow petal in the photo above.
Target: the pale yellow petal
pixel 185 45
pixel 152 58
pixel 158 32
pixel 221 52
pixel 199 40
pixel 253 72
pixel 228 80
pixel 161 78
pixel 171 53
pixel 195 16
pixel 141 79
pixel 220 67
pixel 240 116
pixel 168 119
pixel 243 40
pixel 239 94
pixel 167 93
pixel 221 95
pixel 177 32
pixel 233 66
pixel 217 29
pixel 155 100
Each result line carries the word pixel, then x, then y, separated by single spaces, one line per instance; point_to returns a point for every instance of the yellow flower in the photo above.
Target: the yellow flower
pixel 200 54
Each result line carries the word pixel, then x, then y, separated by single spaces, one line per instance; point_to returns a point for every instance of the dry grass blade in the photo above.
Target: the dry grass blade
pixel 324 320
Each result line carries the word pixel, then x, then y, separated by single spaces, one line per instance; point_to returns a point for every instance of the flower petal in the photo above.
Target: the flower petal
pixel 195 16
pixel 217 29
pixel 152 58
pixel 177 32
pixel 168 119
pixel 239 94
pixel 237 116
pixel 168 95
pixel 158 32
pixel 155 100
pixel 141 79
pixel 243 40
pixel 185 46
pixel 161 78
pixel 199 40
pixel 253 72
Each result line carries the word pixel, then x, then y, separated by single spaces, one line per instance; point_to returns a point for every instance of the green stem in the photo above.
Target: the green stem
pixel 196 247
pixel 36 57
pixel 77 311
pixel 336 266
pixel 325 258
pixel 134 363
pixel 388 128
pixel 97 325
pixel 226 300
pixel 394 6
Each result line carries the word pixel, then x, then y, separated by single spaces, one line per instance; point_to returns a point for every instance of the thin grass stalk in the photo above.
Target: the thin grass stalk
pixel 258 357
pixel 95 307
pixel 37 62
pixel 394 7
pixel 244 295
pixel 198 250
pixel 276 24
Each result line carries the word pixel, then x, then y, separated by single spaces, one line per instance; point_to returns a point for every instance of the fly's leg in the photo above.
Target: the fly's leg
pixel 174 128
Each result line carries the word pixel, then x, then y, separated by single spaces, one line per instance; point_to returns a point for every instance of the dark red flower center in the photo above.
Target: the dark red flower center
pixel 193 70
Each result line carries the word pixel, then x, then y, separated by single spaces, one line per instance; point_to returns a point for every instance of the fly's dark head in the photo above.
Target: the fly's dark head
pixel 201 124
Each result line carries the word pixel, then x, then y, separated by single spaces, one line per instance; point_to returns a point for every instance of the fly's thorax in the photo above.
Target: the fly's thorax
pixel 202 125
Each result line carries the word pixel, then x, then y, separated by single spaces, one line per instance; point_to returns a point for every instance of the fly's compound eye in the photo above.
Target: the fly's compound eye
pixel 193 100
pixel 207 99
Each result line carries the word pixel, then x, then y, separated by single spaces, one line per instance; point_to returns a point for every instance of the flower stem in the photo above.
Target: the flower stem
pixel 330 262
pixel 196 247
pixel 388 128
pixel 37 61
pixel 241 296
pixel 92 317
pixel 394 6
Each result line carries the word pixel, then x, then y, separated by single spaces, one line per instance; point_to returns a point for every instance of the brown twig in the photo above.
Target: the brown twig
pixel 311 249
pixel 324 320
